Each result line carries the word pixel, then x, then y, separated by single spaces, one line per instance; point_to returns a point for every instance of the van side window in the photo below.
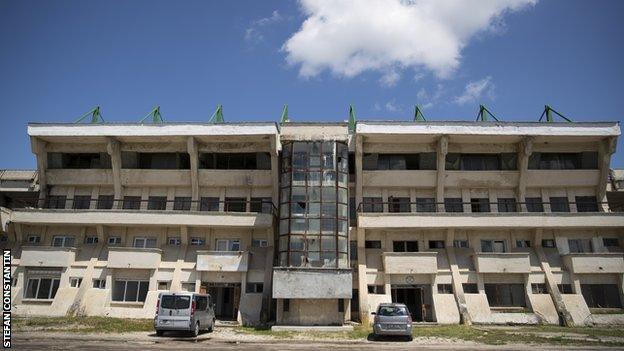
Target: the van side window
pixel 202 303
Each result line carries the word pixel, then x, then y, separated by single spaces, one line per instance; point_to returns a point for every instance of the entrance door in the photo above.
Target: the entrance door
pixel 226 297
pixel 412 297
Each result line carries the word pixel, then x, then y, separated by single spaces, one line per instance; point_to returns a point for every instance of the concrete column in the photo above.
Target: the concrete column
pixel 441 151
pixel 458 289
pixel 553 289
pixel 525 149
pixel 275 169
pixel 571 194
pixel 347 310
pixel 358 169
pixel 194 158
pixel 362 283
pixel 607 148
pixel 145 192
pixel 69 204
pixel 38 147
pixel 17 228
pixel 114 150
pixel 265 310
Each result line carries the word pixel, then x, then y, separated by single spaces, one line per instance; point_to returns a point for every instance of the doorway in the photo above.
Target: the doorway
pixel 226 297
pixel 414 297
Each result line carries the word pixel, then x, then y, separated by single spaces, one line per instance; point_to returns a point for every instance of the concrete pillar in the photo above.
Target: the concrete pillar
pixel 69 204
pixel 347 310
pixel 441 151
pixel 114 150
pixel 17 228
pixel 194 158
pixel 265 311
pixel 553 289
pixel 362 283
pixel 607 148
pixel 458 289
pixel 525 149
pixel 38 147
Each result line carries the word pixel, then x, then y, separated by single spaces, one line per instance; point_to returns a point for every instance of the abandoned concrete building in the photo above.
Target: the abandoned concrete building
pixel 318 223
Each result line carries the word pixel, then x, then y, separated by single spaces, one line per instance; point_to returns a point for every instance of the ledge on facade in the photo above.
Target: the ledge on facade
pixel 594 262
pixel 222 261
pixel 38 301
pixel 134 257
pixel 47 256
pixel 502 262
pixel 410 262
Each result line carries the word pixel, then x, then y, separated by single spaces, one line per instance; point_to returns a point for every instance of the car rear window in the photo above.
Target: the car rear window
pixel 392 311
pixel 175 302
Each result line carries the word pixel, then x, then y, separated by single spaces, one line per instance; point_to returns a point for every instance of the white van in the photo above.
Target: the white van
pixel 184 311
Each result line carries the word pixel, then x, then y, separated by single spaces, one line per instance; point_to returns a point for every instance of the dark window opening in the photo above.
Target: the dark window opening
pixel 425 205
pixel 286 305
pixel 549 243
pixel 505 295
pixel 399 204
pixel 82 202
pixel 250 160
pixel 261 204
pixel 105 202
pixel 372 204
pixel 586 204
pixel 481 162
pixel 445 288
pixel 182 203
pixel 470 288
pixel 376 289
pixel 493 246
pixel 57 201
pixel 58 160
pixel 372 244
pixel 421 161
pixel 559 204
pixel 534 204
pixel 235 204
pixel 611 242
pixel 550 160
pixel 131 203
pixel 155 160
pixel 539 288
pixel 601 295
pixel 480 204
pixel 453 204
pixel 209 204
pixel 436 244
pixel 157 203
pixel 565 288
pixel 405 246
pixel 507 205
pixel 341 305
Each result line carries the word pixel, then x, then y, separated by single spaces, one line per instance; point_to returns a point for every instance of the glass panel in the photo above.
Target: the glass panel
pixel 118 290
pixel 44 288
pixel 132 291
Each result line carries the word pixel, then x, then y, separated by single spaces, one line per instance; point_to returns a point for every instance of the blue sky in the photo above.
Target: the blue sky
pixel 58 59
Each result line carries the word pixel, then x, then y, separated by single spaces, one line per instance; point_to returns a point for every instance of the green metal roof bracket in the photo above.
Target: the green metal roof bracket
pixel 351 118
pixel 484 113
pixel 217 116
pixel 284 118
pixel 155 114
pixel 96 116
pixel 418 115
pixel 548 111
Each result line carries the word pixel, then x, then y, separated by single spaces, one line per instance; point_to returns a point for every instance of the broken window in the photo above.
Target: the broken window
pixel 470 288
pixel 539 288
pixel 405 246
pixel 505 295
pixel 377 289
pixel 601 295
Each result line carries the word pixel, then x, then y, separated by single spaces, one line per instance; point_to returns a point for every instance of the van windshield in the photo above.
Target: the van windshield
pixel 175 302
pixel 392 311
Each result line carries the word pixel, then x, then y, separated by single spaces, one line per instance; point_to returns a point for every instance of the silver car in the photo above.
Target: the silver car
pixel 392 319
pixel 185 311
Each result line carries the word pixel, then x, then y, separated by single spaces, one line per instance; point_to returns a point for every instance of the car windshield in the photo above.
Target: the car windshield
pixel 392 311
pixel 175 302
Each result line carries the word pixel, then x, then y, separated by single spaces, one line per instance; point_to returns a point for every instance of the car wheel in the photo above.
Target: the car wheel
pixel 211 326
pixel 159 333
pixel 409 338
pixel 195 331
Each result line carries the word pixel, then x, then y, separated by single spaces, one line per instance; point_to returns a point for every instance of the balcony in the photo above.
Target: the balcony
pixel 47 256
pixel 222 261
pixel 507 262
pixel 590 263
pixel 135 258
pixel 75 177
pixel 410 262
pixel 155 177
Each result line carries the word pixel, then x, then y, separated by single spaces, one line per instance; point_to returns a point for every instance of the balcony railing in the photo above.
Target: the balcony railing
pixel 595 262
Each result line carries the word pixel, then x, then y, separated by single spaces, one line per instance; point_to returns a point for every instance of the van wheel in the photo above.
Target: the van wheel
pixel 211 326
pixel 159 333
pixel 195 330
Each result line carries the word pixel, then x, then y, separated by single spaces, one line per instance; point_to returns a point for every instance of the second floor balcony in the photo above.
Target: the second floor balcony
pixel 594 262
pixel 47 256
pixel 502 262
pixel 134 258
pixel 410 262
pixel 222 261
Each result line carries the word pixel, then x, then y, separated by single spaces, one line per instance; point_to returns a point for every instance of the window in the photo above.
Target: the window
pixel 539 288
pixel 188 287
pixel 507 204
pixel 580 245
pixel 58 160
pixel 505 295
pixel 523 243
pixel 559 204
pixel 399 204
pixel 423 161
pixel 34 239
pixel 41 288
pixel 63 241
pixel 601 295
pixel 372 204
pixel 228 245
pixel 453 204
pixel 182 203
pixel 493 246
pixel 131 203
pixel 470 288
pixel 105 202
pixel 445 288
pixel 202 303
pixel 460 244
pixel 174 241
pixel 481 204
pixel 130 290
pixel 565 288
pixel 57 201
pixel 235 204
pixel 549 243
pixel 197 241
pixel 286 305
pixel 534 204
pixel 352 211
pixel 82 202
pixel 425 205
pixel 142 242
pixel 209 204
pixel 586 204
pixel 157 203
pixel 257 160
pixel 259 243
pixel 261 204
pixel 353 250
pixel 372 244
pixel 75 282
pixel 341 305
pixel 155 160
pixel 405 246
pixel 91 240
pixel 436 244
pixel 610 242
pixel 164 285
pixel 254 288
pixel 481 162
pixel 114 240
pixel 4 238
pixel 376 289
pixel 549 160
pixel 99 283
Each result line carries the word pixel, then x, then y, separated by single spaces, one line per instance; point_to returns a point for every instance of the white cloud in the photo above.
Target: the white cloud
pixel 390 78
pixel 253 34
pixel 348 37
pixel 391 106
pixel 426 99
pixel 475 90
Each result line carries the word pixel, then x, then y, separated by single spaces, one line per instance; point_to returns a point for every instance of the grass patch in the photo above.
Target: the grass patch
pixel 83 324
